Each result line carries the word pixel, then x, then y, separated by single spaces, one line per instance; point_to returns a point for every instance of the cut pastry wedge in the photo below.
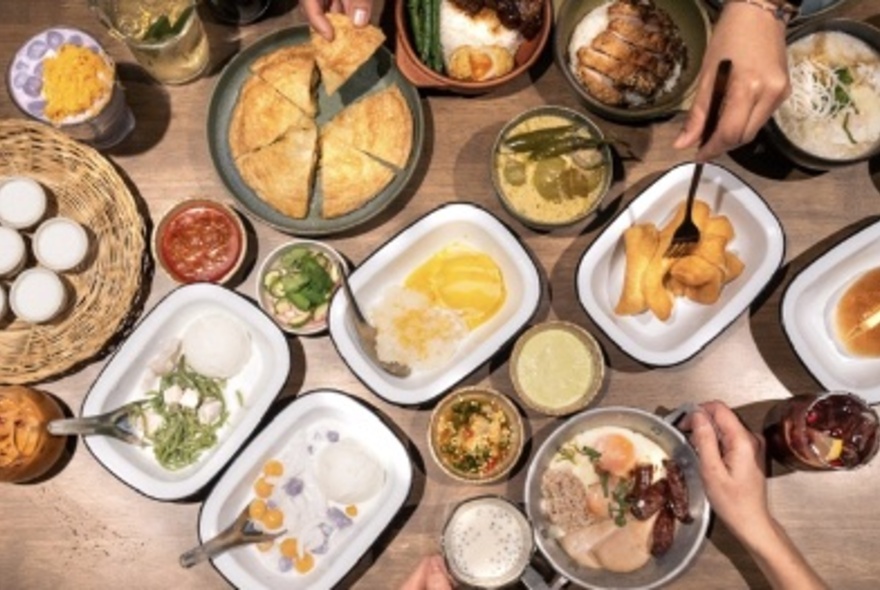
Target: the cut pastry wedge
pixel 291 71
pixel 351 47
pixel 349 177
pixel 282 173
pixel 260 117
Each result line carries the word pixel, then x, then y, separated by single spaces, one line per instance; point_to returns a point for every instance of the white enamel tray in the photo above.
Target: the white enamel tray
pixel 808 308
pixel 243 566
pixel 127 378
pixel 759 242
pixel 394 261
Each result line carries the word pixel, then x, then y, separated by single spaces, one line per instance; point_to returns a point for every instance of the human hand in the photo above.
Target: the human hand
pixel 754 40
pixel 430 574
pixel 314 10
pixel 732 469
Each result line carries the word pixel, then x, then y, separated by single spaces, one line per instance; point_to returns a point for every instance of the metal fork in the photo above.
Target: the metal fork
pixel 687 234
pixel 367 334
pixel 240 532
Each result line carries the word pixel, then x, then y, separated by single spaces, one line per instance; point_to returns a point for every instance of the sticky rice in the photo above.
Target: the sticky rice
pixel 412 331
pixel 216 345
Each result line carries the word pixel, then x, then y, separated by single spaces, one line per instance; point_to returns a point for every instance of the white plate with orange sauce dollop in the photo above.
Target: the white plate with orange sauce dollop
pixel 810 308
pixel 327 471
pixel 446 294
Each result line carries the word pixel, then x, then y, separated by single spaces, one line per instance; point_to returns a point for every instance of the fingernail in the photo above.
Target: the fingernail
pixel 360 17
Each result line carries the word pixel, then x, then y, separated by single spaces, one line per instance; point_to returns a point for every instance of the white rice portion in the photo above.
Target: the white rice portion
pixel 590 26
pixel 217 345
pixel 413 331
pixel 458 29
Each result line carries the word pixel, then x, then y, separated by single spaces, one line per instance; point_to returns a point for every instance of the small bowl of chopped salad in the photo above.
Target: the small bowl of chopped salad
pixel 296 283
pixel 476 435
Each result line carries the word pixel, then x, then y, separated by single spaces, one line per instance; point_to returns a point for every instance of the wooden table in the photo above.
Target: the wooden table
pixel 83 528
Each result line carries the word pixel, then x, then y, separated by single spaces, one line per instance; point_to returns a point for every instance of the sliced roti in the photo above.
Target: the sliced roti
pixel 351 47
pixel 379 124
pixel 260 117
pixel 281 173
pixel 349 177
pixel 291 70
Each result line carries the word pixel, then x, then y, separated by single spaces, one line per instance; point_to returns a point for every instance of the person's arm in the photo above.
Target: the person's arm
pixel 731 467
pixel 314 11
pixel 430 574
pixel 753 38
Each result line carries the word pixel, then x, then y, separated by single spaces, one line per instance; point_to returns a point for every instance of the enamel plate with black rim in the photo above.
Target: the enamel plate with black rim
pixel 312 415
pixel 808 315
pixel 129 375
pixel 759 242
pixel 396 259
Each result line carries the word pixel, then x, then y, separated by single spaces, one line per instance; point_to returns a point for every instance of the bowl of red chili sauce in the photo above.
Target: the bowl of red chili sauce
pixel 200 240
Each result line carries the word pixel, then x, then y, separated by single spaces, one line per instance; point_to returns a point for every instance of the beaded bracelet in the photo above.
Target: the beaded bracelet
pixel 781 9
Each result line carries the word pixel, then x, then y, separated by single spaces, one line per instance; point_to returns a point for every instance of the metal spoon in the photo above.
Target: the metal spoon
pixel 367 334
pixel 240 532
pixel 117 423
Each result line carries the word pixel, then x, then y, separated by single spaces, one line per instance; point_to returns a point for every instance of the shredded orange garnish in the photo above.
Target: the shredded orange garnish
pixel 74 81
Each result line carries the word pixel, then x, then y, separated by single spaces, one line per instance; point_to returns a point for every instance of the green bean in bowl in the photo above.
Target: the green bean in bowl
pixel 296 282
pixel 551 167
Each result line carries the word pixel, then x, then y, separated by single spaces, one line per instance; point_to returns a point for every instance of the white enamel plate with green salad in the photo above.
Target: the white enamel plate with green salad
pixel 206 364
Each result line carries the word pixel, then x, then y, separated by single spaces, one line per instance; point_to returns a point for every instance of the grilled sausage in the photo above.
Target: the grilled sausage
pixel 678 492
pixel 651 500
pixel 663 533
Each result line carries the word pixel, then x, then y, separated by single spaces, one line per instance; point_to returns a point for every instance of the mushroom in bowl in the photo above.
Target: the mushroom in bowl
pixel 296 282
pixel 832 116
pixel 469 46
pixel 551 167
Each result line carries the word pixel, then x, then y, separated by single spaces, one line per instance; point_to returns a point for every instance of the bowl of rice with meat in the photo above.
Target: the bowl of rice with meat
pixel 632 60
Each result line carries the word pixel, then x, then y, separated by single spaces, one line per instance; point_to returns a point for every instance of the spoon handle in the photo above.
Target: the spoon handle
pixel 80 426
pixel 102 425
pixel 207 550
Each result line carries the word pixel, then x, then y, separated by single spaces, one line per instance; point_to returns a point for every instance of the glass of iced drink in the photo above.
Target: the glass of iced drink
pixel 827 431
pixel 165 36
pixel 27 450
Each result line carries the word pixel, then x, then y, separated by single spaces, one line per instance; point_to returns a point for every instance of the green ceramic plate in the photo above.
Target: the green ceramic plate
pixel 692 21
pixel 377 73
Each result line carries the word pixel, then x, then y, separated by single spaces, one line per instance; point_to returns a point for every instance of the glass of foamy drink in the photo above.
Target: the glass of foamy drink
pixel 487 542
pixel 166 37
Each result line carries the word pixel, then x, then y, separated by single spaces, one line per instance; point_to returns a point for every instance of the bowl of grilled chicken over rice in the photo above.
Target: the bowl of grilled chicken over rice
pixel 632 60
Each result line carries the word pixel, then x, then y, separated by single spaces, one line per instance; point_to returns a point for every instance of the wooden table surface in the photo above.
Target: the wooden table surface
pixel 83 528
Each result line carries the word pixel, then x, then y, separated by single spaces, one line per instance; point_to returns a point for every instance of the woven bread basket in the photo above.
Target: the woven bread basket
pixel 83 185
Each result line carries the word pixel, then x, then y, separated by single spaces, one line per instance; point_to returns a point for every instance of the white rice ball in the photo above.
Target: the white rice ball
pixel 217 345
pixel 347 473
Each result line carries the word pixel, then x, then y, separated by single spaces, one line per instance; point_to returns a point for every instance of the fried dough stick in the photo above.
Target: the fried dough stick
pixel 640 244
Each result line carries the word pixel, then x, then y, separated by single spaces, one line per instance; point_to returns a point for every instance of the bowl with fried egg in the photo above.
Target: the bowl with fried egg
pixel 831 118
pixel 615 461
pixel 469 46
pixel 631 61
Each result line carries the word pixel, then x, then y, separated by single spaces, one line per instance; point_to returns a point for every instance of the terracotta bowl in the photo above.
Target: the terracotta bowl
pixel 422 76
